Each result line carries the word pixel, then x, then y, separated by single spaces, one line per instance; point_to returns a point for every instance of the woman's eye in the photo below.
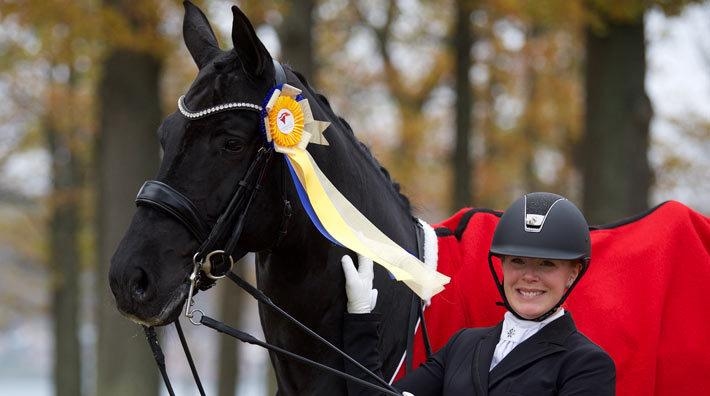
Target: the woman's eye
pixel 233 145
pixel 548 264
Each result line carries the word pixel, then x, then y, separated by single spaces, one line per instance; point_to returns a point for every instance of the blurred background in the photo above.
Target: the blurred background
pixel 466 102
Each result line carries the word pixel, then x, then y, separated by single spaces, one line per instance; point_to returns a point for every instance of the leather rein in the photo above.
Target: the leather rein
pixel 211 263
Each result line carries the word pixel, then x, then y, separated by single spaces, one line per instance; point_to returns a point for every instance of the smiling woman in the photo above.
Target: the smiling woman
pixel 541 249
pixel 533 286
pixel 543 242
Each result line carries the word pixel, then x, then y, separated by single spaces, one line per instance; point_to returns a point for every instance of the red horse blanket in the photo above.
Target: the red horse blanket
pixel 643 298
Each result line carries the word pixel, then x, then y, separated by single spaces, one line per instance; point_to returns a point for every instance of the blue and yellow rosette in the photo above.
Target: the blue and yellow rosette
pixel 289 125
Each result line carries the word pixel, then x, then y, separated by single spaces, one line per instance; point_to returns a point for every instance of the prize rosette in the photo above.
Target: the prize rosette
pixel 285 122
pixel 289 125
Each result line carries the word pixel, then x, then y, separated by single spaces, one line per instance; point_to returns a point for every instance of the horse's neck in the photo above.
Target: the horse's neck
pixel 303 282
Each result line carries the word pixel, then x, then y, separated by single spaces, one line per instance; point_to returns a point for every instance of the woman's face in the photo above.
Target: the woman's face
pixel 533 285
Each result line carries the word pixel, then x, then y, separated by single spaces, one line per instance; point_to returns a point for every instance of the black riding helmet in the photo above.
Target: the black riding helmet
pixel 541 225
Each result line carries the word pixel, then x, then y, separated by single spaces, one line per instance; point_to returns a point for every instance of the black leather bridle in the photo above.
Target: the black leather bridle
pixel 216 263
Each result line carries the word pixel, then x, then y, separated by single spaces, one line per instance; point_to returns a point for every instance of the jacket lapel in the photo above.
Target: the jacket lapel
pixel 482 357
pixel 549 340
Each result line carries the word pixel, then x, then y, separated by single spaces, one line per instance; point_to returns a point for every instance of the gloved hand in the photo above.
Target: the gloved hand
pixel 407 394
pixel 358 285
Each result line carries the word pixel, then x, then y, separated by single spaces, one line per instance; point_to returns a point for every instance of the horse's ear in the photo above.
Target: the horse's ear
pixel 251 51
pixel 199 37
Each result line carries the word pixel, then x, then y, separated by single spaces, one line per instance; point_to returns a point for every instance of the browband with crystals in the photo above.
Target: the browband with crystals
pixel 216 109
pixel 279 75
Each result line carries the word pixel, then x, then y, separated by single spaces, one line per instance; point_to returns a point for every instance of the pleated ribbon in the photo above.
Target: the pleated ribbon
pixel 290 126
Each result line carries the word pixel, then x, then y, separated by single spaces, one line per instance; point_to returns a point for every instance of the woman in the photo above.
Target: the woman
pixel 542 244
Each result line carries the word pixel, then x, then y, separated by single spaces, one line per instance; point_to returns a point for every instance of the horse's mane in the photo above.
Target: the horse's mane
pixel 323 101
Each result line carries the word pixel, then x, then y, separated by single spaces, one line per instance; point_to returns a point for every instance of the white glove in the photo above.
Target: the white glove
pixel 358 285
pixel 407 394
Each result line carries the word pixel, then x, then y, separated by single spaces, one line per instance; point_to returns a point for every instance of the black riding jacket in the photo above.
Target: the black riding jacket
pixel 557 360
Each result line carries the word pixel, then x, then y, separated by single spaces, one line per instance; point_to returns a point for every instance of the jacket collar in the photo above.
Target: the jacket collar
pixel 549 340
pixel 482 359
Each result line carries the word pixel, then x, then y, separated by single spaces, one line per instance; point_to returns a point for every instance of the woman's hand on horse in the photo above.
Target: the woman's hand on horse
pixel 358 285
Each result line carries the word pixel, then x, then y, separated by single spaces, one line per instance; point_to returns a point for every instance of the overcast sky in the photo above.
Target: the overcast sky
pixel 678 83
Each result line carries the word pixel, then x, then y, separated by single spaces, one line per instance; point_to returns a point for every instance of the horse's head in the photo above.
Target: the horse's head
pixel 205 155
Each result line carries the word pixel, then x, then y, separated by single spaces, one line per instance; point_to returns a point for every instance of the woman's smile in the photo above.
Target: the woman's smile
pixel 529 293
pixel 533 286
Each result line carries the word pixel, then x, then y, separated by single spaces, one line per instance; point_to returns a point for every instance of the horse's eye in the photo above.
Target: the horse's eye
pixel 233 145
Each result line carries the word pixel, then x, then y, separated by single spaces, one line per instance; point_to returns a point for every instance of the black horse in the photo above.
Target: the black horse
pixel 206 157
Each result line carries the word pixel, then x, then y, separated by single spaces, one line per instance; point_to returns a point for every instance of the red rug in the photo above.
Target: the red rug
pixel 645 298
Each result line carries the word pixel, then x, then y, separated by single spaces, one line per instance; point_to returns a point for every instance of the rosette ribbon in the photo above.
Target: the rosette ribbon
pixel 289 125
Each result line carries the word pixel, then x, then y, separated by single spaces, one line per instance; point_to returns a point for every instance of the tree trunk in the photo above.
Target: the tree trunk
pixel 231 308
pixel 296 37
pixel 127 156
pixel 616 172
pixel 64 225
pixel 228 369
pixel 461 160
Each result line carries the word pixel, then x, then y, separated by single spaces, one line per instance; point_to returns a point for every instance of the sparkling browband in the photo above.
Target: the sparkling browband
pixel 216 109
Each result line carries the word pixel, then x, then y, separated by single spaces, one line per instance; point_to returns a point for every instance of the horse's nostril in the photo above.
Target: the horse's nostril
pixel 139 285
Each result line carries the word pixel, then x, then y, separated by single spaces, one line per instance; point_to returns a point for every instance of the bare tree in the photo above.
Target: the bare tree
pixel 296 35
pixel 64 225
pixel 461 158
pixel 127 155
pixel 616 172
